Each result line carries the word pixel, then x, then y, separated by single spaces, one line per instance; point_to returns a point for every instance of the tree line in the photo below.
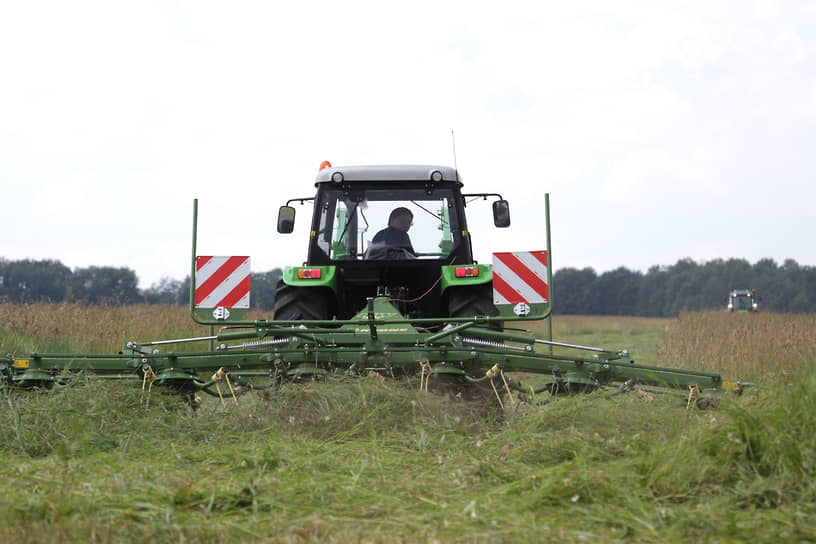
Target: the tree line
pixel 29 280
pixel 662 291
pixel 665 291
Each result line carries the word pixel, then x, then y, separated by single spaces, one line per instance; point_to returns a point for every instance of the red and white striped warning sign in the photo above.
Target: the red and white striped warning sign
pixel 222 282
pixel 520 277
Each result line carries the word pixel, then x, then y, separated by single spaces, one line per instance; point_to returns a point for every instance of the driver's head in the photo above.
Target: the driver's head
pixel 401 218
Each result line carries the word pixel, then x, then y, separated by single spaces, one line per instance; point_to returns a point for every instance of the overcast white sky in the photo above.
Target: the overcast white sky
pixel 661 130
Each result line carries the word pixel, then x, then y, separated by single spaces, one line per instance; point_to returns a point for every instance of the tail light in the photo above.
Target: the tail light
pixel 467 271
pixel 309 273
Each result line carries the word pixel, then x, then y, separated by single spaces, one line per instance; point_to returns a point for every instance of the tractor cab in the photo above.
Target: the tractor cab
pixel 388 231
pixel 743 300
pixel 349 215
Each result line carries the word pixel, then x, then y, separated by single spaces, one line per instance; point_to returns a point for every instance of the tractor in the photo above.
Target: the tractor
pixel 433 274
pixel 743 300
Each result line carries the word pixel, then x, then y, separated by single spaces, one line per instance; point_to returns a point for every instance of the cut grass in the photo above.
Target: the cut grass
pixel 378 461
pixel 383 462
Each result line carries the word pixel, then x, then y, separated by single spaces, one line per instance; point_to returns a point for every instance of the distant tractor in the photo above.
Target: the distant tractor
pixel 743 300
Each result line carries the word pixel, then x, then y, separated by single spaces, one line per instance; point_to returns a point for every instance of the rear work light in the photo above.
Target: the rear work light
pixel 467 271
pixel 309 273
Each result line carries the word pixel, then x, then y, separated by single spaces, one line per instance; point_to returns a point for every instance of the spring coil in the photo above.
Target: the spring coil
pixel 263 343
pixel 481 342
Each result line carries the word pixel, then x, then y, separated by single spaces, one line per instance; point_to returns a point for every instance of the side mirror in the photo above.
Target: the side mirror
pixel 286 219
pixel 501 213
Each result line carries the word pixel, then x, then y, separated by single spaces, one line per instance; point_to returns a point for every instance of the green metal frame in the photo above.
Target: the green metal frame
pixel 198 318
pixel 377 339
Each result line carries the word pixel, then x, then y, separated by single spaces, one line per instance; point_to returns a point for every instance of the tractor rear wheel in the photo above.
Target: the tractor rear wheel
pixel 473 300
pixel 301 303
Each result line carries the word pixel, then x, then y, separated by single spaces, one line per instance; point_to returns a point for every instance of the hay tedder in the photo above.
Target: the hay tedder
pixel 408 301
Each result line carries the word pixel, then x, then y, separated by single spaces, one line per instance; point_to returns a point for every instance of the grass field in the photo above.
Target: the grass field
pixel 367 460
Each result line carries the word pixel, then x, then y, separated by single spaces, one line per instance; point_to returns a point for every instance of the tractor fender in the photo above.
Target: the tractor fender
pixel 311 276
pixel 478 274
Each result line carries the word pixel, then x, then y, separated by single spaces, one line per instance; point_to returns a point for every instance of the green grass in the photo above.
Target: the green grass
pixel 367 460
pixel 638 335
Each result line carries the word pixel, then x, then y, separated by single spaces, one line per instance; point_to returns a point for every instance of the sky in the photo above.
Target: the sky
pixel 660 130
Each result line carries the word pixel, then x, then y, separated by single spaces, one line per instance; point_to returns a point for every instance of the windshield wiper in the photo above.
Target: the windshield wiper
pixel 414 202
pixel 348 220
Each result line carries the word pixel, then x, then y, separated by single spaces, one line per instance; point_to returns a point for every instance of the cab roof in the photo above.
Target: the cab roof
pixel 418 173
pixel 738 292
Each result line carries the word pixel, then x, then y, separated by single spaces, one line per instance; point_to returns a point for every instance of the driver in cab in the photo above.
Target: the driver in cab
pixel 396 234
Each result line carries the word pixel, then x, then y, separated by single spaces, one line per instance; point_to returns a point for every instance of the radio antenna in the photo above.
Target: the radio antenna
pixel 453 144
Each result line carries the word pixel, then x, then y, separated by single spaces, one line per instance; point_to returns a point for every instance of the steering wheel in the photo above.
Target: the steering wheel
pixel 389 253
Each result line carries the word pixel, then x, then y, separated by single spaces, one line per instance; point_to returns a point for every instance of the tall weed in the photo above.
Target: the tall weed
pixel 758 347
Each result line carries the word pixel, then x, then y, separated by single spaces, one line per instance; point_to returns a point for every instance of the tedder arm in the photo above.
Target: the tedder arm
pixel 378 340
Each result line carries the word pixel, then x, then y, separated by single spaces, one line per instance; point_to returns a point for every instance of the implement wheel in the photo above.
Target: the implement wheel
pixel 473 300
pixel 301 303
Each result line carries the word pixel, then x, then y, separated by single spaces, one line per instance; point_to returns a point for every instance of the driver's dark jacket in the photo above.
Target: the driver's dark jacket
pixel 393 237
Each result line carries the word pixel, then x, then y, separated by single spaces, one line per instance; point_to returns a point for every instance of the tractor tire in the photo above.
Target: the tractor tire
pixel 301 303
pixel 473 300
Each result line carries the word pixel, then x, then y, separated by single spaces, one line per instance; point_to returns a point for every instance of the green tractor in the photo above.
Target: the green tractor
pixel 388 231
pixel 743 300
